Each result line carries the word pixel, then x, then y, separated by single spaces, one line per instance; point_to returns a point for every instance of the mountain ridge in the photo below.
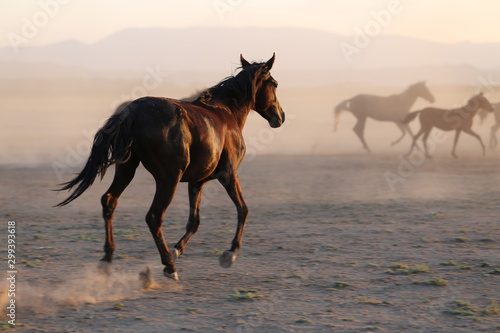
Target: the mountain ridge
pixel 199 48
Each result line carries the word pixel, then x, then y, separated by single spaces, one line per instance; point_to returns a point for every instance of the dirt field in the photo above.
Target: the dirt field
pixel 329 246
pixel 335 240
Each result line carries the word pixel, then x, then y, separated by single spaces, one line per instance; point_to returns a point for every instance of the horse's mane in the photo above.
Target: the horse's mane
pixel 232 91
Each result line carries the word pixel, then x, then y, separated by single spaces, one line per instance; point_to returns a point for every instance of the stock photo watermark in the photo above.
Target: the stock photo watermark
pixel 32 25
pixel 296 275
pixel 150 81
pixel 263 310
pixel 409 164
pixel 222 7
pixel 77 154
pixel 258 143
pixel 487 84
pixel 255 145
pixel 363 36
pixel 11 272
pixel 460 113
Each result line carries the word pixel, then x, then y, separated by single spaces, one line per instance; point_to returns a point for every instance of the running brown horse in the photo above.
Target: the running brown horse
pixel 458 120
pixel 181 142
pixel 387 108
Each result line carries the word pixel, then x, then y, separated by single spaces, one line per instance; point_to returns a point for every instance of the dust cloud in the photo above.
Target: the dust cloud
pixel 50 121
pixel 90 284
pixel 53 121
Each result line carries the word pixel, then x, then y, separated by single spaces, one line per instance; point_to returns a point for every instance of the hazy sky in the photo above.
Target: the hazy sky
pixel 448 21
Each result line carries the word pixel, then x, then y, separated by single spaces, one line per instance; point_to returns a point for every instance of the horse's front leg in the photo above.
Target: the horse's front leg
pixel 193 224
pixel 457 135
pixel 474 134
pixel 231 183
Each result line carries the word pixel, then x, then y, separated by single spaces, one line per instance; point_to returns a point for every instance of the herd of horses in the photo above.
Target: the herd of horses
pixel 200 139
pixel 396 108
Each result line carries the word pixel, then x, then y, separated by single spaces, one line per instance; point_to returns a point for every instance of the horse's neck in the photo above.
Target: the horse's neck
pixel 470 112
pixel 408 97
pixel 241 116
pixel 240 113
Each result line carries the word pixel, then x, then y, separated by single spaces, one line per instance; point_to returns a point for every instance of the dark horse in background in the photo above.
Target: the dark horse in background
pixel 458 120
pixel 389 108
pixel 181 142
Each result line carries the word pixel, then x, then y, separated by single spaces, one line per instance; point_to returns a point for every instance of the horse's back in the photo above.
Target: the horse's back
pixel 384 108
pixel 360 104
pixel 443 119
pixel 163 110
pixel 432 113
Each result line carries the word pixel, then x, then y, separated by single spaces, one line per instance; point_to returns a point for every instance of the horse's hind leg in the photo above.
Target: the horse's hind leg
pixel 402 127
pixel 359 129
pixel 414 142
pixel 408 128
pixel 165 190
pixel 410 132
pixel 493 136
pixel 194 190
pixel 424 140
pixel 124 173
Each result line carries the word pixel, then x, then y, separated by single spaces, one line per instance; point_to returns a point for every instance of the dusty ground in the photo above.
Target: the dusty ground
pixel 328 247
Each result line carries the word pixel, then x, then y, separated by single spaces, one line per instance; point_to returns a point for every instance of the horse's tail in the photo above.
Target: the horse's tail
pixel 112 144
pixel 410 117
pixel 338 109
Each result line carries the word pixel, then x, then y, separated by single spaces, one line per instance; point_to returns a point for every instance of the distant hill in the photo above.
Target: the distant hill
pixel 303 51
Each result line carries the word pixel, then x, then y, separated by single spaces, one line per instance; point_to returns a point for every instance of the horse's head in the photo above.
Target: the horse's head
pixel 422 91
pixel 480 102
pixel 266 102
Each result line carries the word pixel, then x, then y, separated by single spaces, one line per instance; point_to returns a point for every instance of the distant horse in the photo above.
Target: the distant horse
pixel 181 142
pixel 493 135
pixel 390 108
pixel 457 120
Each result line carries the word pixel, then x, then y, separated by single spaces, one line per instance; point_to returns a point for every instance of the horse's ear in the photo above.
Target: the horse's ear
pixel 270 62
pixel 244 63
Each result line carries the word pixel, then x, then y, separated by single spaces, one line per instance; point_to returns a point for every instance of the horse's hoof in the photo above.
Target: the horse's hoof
pixel 145 278
pixel 227 258
pixel 172 276
pixel 104 267
pixel 176 253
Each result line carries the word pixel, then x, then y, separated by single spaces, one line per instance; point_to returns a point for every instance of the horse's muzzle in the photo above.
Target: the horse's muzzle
pixel 278 119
